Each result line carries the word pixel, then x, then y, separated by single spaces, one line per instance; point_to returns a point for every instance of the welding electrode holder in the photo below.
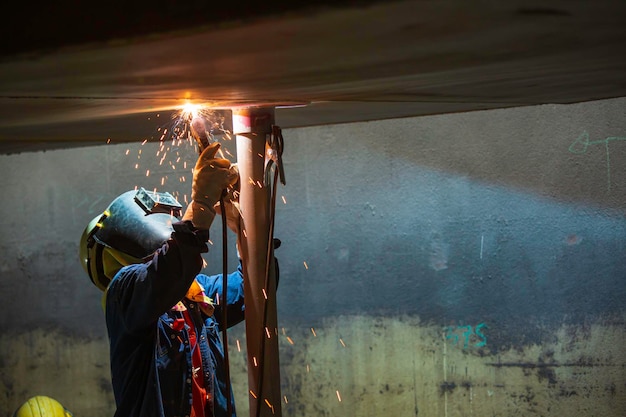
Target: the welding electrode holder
pixel 198 130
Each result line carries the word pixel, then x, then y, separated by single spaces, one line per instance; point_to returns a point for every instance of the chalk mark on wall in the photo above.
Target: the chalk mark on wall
pixel 452 333
pixel 582 143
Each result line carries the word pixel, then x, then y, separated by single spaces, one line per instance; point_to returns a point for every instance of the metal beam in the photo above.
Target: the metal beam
pixel 251 127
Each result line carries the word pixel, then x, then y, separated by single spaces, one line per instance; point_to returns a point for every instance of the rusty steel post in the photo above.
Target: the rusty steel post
pixel 251 126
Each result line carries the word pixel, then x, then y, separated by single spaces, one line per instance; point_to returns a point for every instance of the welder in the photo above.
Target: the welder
pixel 163 316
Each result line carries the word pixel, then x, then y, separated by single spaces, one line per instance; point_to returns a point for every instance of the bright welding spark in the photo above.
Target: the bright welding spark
pixel 252 393
pixel 269 405
pixel 238 346
pixel 285 399
pixel 305 265
pixel 290 340
pixel 109 140
pixel 313 331
pixel 264 293
pixel 342 342
pixel 147 173
pixel 127 151
pixel 144 142
pixel 338 395
pixel 267 332
pixel 190 110
pixel 284 199
pixel 255 364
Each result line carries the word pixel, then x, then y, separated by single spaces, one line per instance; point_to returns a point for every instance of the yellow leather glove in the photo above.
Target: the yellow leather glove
pixel 232 209
pixel 211 176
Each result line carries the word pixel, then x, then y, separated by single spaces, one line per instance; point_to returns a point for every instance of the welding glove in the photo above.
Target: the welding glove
pixel 231 203
pixel 211 176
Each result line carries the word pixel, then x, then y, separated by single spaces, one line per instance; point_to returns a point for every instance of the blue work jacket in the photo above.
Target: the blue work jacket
pixel 150 357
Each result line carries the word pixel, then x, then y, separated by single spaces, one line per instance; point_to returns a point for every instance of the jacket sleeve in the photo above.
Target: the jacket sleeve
pixel 235 301
pixel 140 293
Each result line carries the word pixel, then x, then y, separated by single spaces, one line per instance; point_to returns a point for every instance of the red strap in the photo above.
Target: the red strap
pixel 199 394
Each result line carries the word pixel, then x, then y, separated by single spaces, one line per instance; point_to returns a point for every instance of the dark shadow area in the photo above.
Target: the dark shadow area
pixel 53 25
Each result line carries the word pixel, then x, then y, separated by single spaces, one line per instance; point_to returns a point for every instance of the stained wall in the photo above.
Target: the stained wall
pixel 445 265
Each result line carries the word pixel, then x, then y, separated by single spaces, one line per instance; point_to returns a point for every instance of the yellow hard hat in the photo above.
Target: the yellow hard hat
pixel 98 260
pixel 42 406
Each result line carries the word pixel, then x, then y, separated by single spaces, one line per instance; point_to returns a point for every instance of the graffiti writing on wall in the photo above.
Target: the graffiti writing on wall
pixel 467 335
pixel 582 143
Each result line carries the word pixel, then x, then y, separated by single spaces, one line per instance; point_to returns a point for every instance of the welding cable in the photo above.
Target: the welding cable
pixel 277 171
pixel 197 129
pixel 224 303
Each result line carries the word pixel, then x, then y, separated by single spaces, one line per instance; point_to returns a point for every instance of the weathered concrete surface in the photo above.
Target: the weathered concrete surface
pixel 365 366
pixel 68 368
pixel 492 241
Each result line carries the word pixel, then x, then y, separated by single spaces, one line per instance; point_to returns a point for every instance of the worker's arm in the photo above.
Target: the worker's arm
pixel 235 300
pixel 140 293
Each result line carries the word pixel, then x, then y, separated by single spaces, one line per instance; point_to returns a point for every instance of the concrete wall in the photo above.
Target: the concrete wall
pixel 456 265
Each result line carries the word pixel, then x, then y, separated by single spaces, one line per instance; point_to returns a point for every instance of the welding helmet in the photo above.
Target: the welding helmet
pixel 132 227
pixel 42 406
